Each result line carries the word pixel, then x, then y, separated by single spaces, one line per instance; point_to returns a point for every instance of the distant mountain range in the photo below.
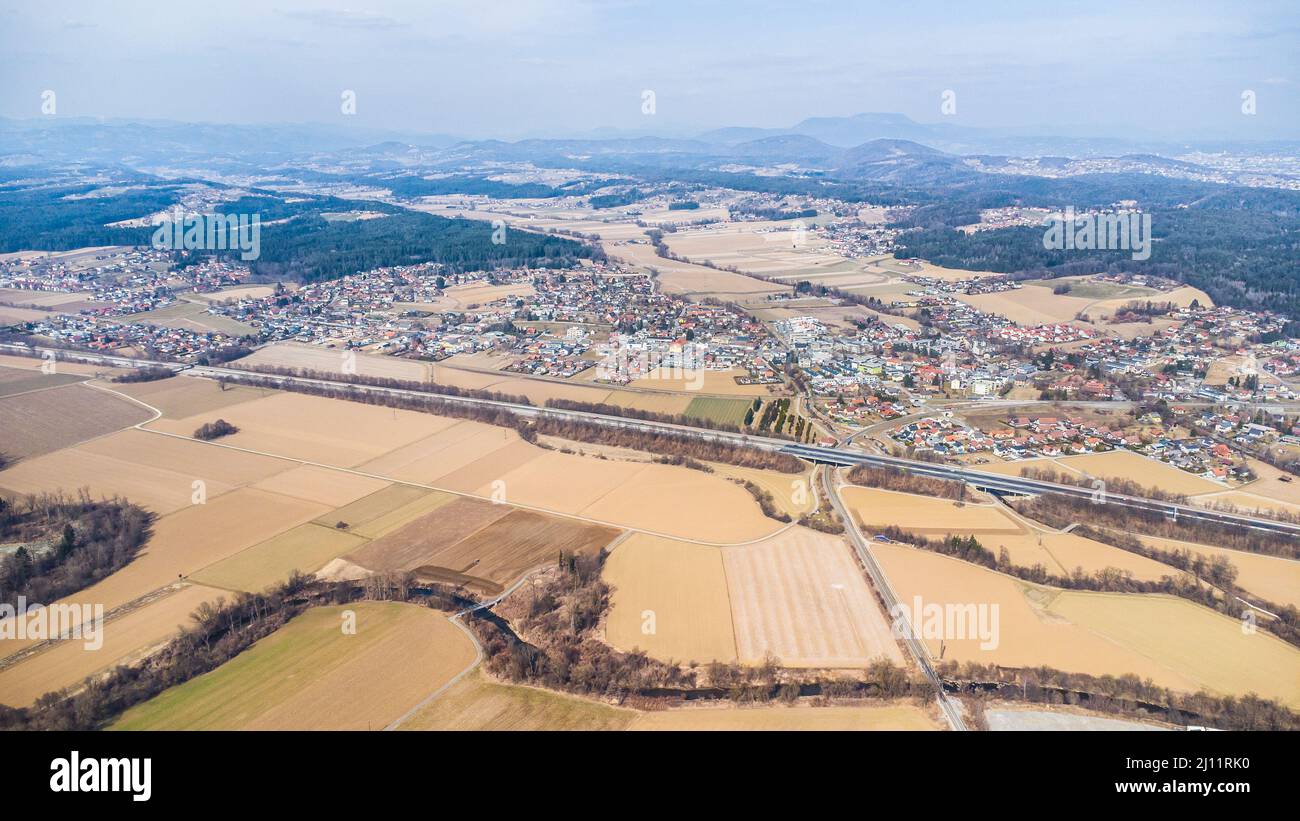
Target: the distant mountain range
pixel 875 147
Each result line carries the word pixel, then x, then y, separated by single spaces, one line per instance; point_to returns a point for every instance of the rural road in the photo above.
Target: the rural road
pixel 878 579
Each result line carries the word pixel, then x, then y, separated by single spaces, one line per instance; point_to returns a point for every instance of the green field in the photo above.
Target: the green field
pixel 1092 289
pixel 309 674
pixel 723 411
pixel 306 548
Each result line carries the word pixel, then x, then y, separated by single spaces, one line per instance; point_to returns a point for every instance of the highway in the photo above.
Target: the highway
pixel 841 455
pixel 1018 485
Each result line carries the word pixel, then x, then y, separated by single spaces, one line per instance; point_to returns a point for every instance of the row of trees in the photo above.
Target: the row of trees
pixel 1126 695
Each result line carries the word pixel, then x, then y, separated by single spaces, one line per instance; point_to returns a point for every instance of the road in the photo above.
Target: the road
pixel 839 455
pixel 914 645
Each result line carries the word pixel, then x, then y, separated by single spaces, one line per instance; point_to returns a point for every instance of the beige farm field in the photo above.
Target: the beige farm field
pixel 925 515
pixel 310 675
pixel 889 716
pixel 1248 503
pixel 791 492
pixel 1269 483
pixel 694 383
pixel 332 360
pixel 191 539
pixel 125 639
pixel 686 278
pixel 1115 464
pixel 1125 464
pixel 801 597
pixel 27 363
pixel 386 510
pixel 478 703
pixel 1173 642
pixel 155 472
pixel 670 599
pixel 1208 647
pixel 1028 306
pixel 664 499
pixel 315 429
pixel 1274 578
pixel 1062 553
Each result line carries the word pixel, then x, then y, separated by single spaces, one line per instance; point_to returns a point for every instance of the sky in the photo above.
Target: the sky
pixel 516 68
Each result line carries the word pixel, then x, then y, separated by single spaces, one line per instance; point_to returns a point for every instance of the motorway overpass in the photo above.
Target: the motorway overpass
pixel 1021 486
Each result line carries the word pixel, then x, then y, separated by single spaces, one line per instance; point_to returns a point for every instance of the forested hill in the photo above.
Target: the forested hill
pixel 311 248
pixel 1247 258
pixel 304 238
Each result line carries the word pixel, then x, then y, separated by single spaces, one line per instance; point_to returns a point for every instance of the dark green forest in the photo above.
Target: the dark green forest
pixel 310 248
pixel 1247 258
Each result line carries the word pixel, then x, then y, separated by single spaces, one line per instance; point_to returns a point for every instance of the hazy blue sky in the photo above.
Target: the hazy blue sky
pixel 514 67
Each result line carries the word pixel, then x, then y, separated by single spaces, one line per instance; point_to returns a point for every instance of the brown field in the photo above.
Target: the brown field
pixel 15 381
pixel 418 542
pixel 316 429
pixel 504 550
pixel 683 587
pixel 1274 578
pixel 331 360
pixel 184 396
pixel 478 703
pixel 43 421
pixel 14 316
pixel 156 472
pixel 386 511
pixel 801 597
pixel 887 716
pixel 126 639
pixel 309 675
pixel 305 548
pixel 45 299
pixel 927 515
